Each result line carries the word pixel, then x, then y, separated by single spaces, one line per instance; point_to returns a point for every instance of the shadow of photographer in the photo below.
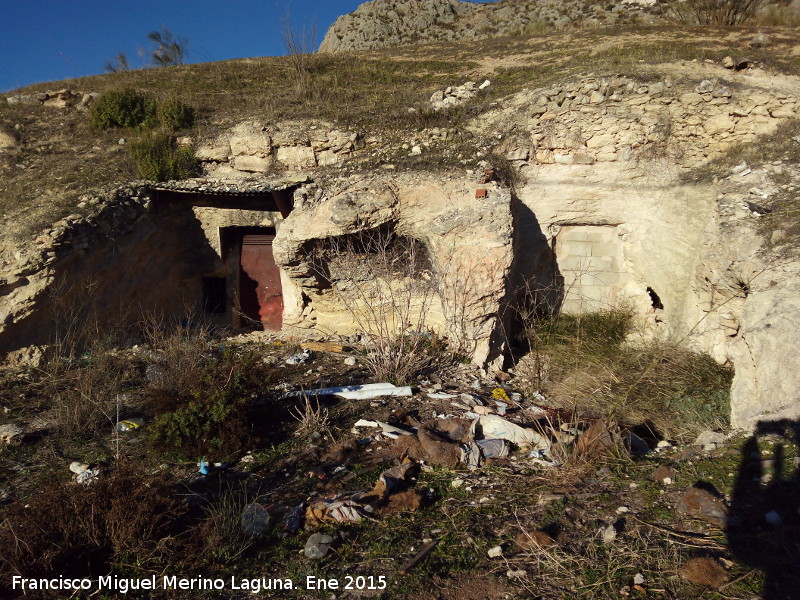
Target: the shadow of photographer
pixel 763 528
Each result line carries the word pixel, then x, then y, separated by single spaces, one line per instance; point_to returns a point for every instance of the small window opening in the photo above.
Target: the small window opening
pixel 654 299
pixel 214 295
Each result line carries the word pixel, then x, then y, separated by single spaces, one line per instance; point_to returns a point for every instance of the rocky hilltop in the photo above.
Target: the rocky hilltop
pixel 381 23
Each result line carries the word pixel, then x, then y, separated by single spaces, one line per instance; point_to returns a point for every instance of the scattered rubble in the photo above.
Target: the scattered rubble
pixel 453 96
pixel 256 521
pixel 355 392
pixel 710 440
pixel 317 546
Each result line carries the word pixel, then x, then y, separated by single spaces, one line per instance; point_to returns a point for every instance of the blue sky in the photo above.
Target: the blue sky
pixel 47 40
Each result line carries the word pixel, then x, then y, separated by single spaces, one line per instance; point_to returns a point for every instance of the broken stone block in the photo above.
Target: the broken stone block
pixel 701 504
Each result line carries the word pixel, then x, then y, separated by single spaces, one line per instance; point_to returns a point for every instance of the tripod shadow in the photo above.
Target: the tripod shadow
pixel 764 526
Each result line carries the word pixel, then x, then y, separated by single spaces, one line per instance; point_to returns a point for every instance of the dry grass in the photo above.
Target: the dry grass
pixel 582 365
pixel 310 418
pixel 126 515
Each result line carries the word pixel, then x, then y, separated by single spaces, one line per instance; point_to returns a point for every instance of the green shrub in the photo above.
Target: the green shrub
pixel 212 414
pixel 158 157
pixel 123 108
pixel 176 115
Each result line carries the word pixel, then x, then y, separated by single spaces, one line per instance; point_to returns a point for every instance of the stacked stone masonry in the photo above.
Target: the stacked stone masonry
pixel 620 119
pixel 252 147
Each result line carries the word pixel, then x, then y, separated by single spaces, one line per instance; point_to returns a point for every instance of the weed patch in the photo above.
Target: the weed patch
pixel 158 157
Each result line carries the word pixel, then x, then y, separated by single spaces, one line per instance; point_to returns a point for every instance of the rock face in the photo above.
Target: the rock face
pixel 604 220
pixel 468 242
pixel 55 99
pixel 382 23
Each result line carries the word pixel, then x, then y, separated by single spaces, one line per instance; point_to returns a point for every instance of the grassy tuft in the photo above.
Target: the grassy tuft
pixel 158 157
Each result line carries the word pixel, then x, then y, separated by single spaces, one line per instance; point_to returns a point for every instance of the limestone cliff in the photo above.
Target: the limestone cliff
pixel 381 23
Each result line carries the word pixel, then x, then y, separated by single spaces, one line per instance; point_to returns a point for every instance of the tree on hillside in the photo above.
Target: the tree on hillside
pixel 299 46
pixel 169 50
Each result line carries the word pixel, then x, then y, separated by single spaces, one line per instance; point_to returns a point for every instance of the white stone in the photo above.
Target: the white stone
pixel 297 157
pixel 10 434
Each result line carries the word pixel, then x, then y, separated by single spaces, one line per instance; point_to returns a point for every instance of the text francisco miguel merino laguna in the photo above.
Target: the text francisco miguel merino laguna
pixel 173 582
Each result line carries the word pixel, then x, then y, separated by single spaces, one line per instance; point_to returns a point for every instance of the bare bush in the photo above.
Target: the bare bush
pixel 179 353
pixel 299 46
pixel 712 12
pixel 383 281
pixel 170 51
pixel 126 516
pixel 310 418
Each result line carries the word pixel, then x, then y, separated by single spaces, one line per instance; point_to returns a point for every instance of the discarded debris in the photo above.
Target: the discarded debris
pixel 344 508
pixel 323 347
pixel 317 546
pixel 293 519
pixel 542 458
pixel 609 534
pixel 598 438
pixel 355 392
pixel 129 425
pixel 256 521
pixel 84 474
pixel 494 427
pixel 495 552
pixel 388 430
pixel 419 557
pixel 300 358
pixel 441 396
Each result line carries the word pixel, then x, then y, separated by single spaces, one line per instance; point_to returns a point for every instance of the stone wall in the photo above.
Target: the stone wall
pixel 620 119
pixel 591 261
pixel 252 147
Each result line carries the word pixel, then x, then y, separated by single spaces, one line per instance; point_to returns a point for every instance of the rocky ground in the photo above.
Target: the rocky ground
pixel 580 507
